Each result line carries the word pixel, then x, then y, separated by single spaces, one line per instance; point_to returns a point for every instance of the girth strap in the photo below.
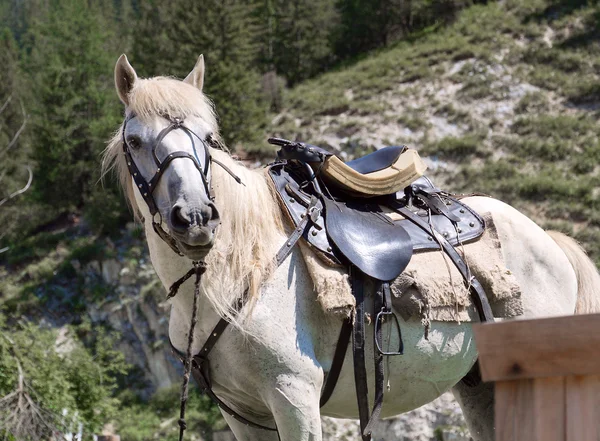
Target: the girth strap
pixel 338 361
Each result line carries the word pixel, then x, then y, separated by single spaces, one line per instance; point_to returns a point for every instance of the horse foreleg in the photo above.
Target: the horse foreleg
pixel 295 406
pixel 477 404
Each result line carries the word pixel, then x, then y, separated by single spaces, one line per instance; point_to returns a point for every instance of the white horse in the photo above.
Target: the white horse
pixel 269 366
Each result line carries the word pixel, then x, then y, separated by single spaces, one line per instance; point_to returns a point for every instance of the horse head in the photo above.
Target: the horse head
pixel 167 136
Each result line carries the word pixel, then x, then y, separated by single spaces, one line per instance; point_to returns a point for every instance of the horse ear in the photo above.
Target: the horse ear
pixel 196 76
pixel 125 77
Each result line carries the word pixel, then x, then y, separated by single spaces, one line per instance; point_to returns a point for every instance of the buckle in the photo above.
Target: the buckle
pixel 314 213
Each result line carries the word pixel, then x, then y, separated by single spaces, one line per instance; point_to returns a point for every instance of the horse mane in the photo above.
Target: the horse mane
pixel 246 242
pixel 244 252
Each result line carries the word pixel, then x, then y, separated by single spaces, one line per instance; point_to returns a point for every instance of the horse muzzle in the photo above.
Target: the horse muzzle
pixel 194 228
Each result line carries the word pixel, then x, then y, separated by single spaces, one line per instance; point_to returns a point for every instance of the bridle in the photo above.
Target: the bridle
pixel 147 188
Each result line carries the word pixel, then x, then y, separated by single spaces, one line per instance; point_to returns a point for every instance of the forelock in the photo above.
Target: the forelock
pixel 172 97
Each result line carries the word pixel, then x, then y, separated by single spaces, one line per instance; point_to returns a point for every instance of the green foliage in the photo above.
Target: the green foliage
pixel 141 421
pixel 454 115
pixel 533 102
pixel 560 127
pixel 226 33
pixel 241 107
pixel 74 107
pixel 14 146
pixel 457 148
pixel 366 25
pixel 70 378
pixel 296 37
pixel 413 121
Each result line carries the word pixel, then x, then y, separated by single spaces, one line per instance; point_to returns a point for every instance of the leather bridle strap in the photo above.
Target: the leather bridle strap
pixel 146 188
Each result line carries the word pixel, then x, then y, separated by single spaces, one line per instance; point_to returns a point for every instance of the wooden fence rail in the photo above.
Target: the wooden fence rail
pixel 547 377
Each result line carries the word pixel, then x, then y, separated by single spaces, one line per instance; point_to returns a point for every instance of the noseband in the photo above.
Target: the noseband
pixel 147 188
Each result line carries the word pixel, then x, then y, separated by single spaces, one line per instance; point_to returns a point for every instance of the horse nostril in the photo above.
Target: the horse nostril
pixel 210 215
pixel 179 220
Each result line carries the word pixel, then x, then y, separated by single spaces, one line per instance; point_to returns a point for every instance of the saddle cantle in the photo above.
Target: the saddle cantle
pixel 382 172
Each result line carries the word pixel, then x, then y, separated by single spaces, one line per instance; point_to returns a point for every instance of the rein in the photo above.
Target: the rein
pixel 198 269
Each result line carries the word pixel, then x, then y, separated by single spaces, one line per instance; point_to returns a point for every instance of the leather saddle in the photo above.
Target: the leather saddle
pixel 355 230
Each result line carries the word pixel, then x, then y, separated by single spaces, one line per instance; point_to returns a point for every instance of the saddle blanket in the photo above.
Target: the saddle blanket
pixel 430 288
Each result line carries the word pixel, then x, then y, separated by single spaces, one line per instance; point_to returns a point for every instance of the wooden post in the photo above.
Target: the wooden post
pixel 547 374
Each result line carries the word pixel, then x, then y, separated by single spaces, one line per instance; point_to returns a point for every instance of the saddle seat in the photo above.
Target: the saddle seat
pixel 383 172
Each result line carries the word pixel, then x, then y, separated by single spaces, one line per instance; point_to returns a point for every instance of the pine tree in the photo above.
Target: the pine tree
pixel 301 40
pixel 15 163
pixel 152 50
pixel 364 25
pixel 225 32
pixel 70 71
pixel 370 24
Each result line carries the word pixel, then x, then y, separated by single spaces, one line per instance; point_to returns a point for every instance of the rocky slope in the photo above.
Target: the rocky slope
pixel 505 101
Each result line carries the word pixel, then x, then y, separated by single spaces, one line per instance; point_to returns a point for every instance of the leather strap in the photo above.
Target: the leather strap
pixel 477 292
pixel 338 362
pixel 378 361
pixel 358 352
pixel 310 217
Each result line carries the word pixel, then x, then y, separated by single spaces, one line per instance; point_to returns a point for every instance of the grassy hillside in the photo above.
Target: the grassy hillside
pixel 504 101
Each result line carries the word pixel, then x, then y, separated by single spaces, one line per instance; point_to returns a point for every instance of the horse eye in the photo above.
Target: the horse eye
pixel 134 142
